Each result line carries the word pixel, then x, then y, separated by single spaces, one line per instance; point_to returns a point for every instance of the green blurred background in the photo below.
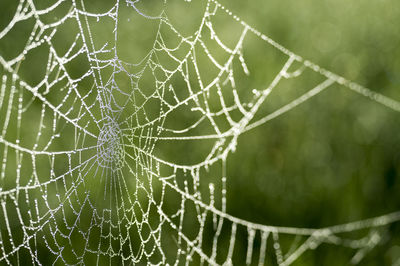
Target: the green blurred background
pixel 335 158
pixel 331 160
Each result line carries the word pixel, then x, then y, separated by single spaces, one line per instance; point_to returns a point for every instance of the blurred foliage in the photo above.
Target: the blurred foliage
pixel 331 160
pixel 336 158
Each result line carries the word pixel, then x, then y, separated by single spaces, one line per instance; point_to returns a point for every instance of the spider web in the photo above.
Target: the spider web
pixel 85 177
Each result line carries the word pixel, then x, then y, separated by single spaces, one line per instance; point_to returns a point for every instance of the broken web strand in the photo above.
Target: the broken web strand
pixel 145 152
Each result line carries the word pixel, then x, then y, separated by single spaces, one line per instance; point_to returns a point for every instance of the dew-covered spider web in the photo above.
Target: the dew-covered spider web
pixel 88 130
